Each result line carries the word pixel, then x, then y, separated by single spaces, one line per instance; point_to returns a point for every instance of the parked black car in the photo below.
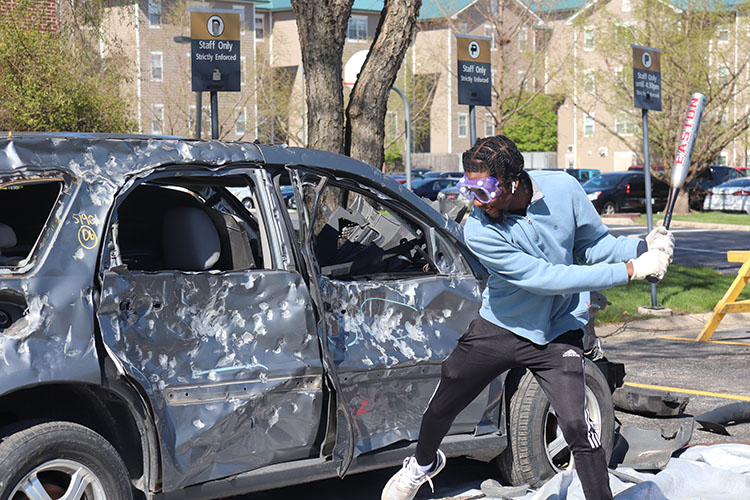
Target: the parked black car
pixel 453 174
pixel 707 178
pixel 430 187
pixel 614 192
pixel 159 339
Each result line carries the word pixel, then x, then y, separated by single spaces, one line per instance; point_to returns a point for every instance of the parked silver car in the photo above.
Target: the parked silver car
pixel 731 196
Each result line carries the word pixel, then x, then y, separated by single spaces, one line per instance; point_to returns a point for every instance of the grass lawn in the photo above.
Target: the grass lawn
pixel 712 217
pixel 684 290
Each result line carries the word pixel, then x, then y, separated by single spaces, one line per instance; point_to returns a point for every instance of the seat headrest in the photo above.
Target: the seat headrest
pixel 7 236
pixel 190 241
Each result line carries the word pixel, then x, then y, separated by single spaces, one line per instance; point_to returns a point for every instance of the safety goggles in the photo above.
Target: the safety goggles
pixel 485 189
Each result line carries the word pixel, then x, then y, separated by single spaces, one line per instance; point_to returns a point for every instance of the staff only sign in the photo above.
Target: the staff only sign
pixel 474 70
pixel 646 78
pixel 215 50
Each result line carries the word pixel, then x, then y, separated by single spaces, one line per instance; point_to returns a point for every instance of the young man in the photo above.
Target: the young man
pixel 530 230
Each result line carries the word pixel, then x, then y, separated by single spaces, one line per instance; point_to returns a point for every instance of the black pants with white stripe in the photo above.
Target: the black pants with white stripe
pixel 487 350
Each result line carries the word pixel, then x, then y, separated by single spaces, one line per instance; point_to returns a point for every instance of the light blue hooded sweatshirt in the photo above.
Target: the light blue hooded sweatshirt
pixel 537 289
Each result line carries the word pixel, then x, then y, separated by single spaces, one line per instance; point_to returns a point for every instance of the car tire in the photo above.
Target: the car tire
pixel 536 450
pixel 609 208
pixel 54 459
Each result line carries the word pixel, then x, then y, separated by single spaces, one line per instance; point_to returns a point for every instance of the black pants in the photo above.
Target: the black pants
pixel 483 353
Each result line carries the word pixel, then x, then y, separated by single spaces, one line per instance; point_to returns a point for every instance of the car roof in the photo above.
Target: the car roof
pixel 114 155
pixel 108 160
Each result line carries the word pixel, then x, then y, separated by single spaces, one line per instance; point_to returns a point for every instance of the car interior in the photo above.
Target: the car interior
pixel 174 224
pixel 20 229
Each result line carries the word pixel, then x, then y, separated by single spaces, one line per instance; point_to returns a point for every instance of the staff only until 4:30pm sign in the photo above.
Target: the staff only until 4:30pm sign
pixel 215 45
pixel 646 78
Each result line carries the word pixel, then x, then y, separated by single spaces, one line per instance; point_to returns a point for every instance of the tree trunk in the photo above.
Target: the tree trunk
pixel 365 127
pixel 682 205
pixel 322 28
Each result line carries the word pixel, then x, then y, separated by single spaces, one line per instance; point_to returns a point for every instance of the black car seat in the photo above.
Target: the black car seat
pixel 7 240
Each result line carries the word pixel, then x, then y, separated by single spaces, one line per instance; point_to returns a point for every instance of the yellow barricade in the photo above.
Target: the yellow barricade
pixel 729 303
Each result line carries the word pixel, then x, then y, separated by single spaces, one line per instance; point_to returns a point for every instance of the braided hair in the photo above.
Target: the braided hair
pixel 498 154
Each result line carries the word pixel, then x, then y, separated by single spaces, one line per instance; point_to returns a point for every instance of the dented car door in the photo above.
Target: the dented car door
pixel 395 294
pixel 216 331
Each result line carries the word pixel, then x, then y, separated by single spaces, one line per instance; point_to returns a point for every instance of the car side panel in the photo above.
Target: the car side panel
pixel 229 361
pixel 388 340
pixel 50 302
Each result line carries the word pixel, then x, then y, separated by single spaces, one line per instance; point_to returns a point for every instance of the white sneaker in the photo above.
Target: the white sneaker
pixel 406 482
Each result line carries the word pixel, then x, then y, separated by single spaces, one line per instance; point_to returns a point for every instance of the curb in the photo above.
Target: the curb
pixel 684 325
pixel 627 221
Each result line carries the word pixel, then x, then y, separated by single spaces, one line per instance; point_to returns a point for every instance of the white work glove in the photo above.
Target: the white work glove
pixel 660 238
pixel 651 263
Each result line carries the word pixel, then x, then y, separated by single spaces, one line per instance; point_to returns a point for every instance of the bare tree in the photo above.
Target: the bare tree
pixel 365 131
pixel 322 25
pixel 700 46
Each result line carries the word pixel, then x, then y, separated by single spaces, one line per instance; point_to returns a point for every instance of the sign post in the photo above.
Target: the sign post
pixel 474 75
pixel 647 95
pixel 215 44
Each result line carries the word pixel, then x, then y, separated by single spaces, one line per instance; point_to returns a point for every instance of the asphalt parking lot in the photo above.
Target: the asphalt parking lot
pixel 662 353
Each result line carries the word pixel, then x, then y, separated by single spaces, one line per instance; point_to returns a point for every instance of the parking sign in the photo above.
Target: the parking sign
pixel 474 70
pixel 215 50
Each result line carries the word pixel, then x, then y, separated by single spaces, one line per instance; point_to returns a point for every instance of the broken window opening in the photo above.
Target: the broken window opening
pixel 25 208
pixel 191 224
pixel 356 236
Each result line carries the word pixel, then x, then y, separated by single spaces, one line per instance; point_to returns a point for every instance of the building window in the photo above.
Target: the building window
pixel 588 38
pixel 191 120
pixel 205 120
pixel 626 5
pixel 260 27
pixel 157 67
pixel 723 75
pixel 154 13
pixel 243 70
pixel 523 39
pixel 357 30
pixel 240 119
pixel 523 80
pixel 725 116
pixel 462 28
pixel 589 81
pixel 489 31
pixel 722 159
pixel 489 125
pixel 723 34
pixel 618 73
pixel 624 124
pixel 747 158
pixel 241 11
pixel 588 126
pixel 462 124
pixel 157 119
pixel 391 124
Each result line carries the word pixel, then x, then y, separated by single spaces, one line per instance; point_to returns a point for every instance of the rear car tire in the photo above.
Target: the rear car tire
pixel 61 460
pixel 609 208
pixel 536 448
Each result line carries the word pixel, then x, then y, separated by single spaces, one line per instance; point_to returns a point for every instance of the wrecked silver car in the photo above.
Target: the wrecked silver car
pixel 161 338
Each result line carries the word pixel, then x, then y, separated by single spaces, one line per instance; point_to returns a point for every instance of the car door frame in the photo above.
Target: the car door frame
pixel 309 381
pixel 346 442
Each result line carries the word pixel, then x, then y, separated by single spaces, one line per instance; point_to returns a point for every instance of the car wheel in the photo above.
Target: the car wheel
pixel 536 448
pixel 61 460
pixel 609 208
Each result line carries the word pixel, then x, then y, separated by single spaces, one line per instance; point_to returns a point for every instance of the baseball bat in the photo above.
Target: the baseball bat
pixel 685 145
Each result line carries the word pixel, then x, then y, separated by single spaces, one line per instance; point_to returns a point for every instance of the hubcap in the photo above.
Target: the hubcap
pixel 558 453
pixel 59 480
pixel 609 208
